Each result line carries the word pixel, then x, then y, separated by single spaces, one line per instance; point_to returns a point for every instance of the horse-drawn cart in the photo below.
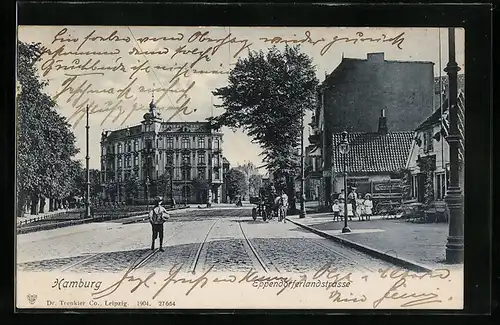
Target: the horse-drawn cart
pixel 264 209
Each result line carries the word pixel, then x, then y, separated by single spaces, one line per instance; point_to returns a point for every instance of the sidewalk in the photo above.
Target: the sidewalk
pixel 28 217
pixel 415 246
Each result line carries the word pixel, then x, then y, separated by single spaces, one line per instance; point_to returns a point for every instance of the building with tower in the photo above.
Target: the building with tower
pixel 181 161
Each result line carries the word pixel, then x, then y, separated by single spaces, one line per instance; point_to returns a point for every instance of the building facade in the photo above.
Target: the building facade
pixel 429 159
pixel 353 95
pixel 179 160
pixel 373 163
pixel 312 182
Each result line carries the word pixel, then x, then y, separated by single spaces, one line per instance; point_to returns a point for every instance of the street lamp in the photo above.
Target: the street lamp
pixel 344 149
pixel 147 192
pixel 454 200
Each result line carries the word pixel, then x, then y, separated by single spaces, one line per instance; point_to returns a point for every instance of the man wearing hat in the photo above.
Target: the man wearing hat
pixel 352 197
pixel 157 217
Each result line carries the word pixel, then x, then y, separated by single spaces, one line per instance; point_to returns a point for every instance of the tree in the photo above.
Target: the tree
pixel 255 183
pixel 200 188
pixel 236 183
pixel 131 187
pixel 267 95
pixel 164 186
pixel 45 142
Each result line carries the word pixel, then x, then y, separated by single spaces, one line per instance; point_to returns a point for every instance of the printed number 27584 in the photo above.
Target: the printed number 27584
pixel 166 303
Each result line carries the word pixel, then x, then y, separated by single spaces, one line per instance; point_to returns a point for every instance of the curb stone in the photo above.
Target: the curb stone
pixel 368 250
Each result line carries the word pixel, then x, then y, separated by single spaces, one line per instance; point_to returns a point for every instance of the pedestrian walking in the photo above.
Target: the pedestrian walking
pixel 157 217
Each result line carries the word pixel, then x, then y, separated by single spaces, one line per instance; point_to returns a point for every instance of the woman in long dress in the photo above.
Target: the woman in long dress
pixel 368 206
pixel 360 207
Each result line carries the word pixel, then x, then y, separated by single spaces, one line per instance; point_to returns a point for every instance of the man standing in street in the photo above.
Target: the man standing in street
pixel 284 202
pixel 157 217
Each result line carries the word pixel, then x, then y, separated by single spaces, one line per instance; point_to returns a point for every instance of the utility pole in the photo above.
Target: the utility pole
pixel 87 192
pixel 454 200
pixel 302 213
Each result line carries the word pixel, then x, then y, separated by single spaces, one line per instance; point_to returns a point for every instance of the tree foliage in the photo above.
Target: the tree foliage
pixel 255 183
pixel 236 183
pixel 163 185
pixel 45 142
pixel 267 95
pixel 131 186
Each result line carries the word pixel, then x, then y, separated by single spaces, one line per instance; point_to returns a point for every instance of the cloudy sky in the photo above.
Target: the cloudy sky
pixel 114 69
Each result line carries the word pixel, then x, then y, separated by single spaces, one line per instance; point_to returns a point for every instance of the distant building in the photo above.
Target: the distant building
pixel 313 175
pixel 374 161
pixel 352 96
pixel 225 168
pixel 188 153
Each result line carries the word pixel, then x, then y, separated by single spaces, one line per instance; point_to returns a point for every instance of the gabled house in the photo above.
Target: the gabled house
pixel 374 161
pixel 429 159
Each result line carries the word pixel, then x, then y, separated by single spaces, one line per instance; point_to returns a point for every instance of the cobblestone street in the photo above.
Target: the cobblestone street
pixel 195 240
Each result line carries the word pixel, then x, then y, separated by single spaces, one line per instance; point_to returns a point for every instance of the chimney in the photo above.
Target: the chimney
pixel 375 57
pixel 382 123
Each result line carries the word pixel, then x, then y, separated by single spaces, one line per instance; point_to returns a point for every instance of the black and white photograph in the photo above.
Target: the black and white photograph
pixel 240 167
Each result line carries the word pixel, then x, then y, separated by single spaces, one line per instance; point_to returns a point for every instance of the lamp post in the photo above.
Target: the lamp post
pixel 344 149
pixel 455 245
pixel 87 191
pixel 147 193
pixel 302 213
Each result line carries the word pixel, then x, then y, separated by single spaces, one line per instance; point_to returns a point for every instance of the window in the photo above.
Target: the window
pixel 185 143
pixel 119 148
pixel 129 161
pixel 119 161
pixel 177 174
pixel 119 177
pixel 129 147
pixel 414 186
pixel 170 143
pixel 216 173
pixel 149 144
pixel 185 174
pixel 185 158
pixel 201 143
pixel 440 186
pixel 201 173
pixel 136 145
pixel 170 159
pixel 216 160
pixel 216 144
pixel 428 141
pixel 136 161
pixel 201 159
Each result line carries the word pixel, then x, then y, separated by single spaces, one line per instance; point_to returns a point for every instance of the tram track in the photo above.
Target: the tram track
pixel 143 261
pixel 252 248
pixel 195 263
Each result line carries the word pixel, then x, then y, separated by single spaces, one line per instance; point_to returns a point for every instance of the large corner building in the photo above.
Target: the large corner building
pixel 187 154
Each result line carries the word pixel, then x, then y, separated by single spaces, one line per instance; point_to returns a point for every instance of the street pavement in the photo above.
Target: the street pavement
pixel 223 239
pixel 423 244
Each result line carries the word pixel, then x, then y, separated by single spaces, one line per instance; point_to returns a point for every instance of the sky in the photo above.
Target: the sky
pixel 114 69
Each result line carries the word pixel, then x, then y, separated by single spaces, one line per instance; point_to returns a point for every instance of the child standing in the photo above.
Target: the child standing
pixel 336 210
